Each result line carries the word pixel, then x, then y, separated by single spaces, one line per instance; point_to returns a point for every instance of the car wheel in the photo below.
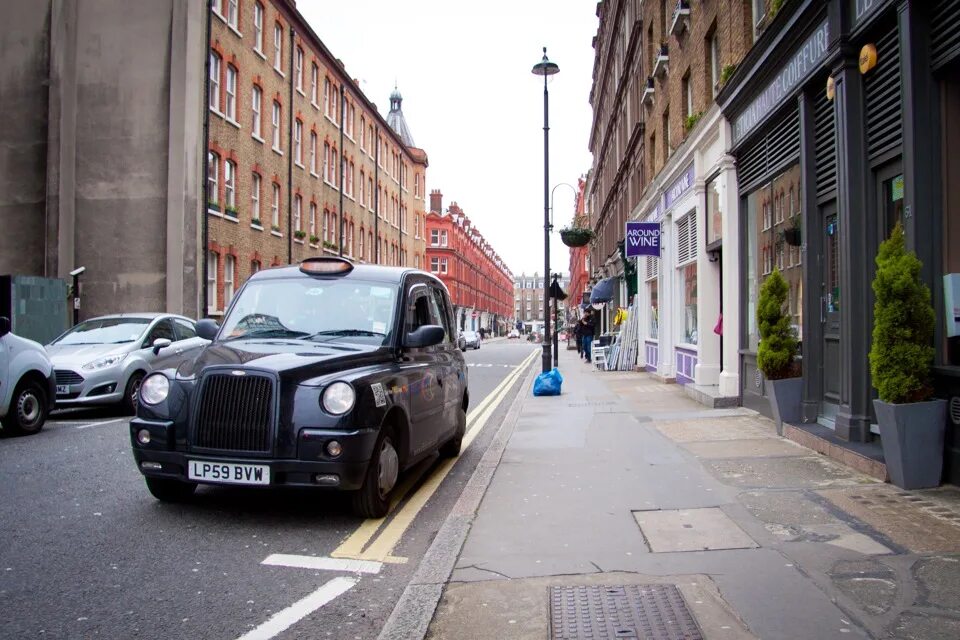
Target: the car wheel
pixel 28 409
pixel 451 448
pixel 167 490
pixel 131 394
pixel 372 500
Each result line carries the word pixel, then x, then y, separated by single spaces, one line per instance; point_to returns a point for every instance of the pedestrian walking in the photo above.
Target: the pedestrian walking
pixel 587 329
pixel 578 337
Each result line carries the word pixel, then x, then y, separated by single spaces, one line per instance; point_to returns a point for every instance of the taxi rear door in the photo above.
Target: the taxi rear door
pixel 421 371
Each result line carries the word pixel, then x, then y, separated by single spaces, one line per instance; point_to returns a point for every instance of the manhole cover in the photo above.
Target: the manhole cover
pixel 642 612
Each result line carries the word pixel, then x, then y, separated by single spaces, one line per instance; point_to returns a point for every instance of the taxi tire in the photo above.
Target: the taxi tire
pixel 28 394
pixel 167 490
pixel 451 448
pixel 367 501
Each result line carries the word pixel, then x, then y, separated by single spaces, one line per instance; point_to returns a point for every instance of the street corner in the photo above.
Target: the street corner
pixel 556 606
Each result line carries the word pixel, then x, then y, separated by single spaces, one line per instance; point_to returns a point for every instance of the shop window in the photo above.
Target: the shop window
pixel 714 213
pixel 687 272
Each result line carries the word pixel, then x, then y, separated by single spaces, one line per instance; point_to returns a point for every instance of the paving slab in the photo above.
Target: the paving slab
pixel 797 472
pixel 869 583
pixel 691 530
pixel 924 626
pixel 706 429
pixel 752 448
pixel 938 579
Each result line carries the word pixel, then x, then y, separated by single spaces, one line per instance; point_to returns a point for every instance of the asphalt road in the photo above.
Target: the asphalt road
pixel 86 552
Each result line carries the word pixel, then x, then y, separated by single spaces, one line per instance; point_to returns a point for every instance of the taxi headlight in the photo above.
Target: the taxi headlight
pixel 338 398
pixel 154 389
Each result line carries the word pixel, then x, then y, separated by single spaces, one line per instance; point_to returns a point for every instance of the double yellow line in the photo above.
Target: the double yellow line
pixel 358 545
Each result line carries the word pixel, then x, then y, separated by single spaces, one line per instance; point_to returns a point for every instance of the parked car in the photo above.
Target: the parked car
pixel 461 341
pixel 513 334
pixel 103 360
pixel 326 374
pixel 27 385
pixel 471 340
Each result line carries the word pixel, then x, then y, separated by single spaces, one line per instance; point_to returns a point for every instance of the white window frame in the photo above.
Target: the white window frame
pixel 314 75
pixel 275 207
pixel 298 142
pixel 278 48
pixel 313 152
pixel 275 123
pixel 233 13
pixel 258 27
pixel 256 106
pixel 229 275
pixel 297 211
pixel 714 65
pixel 313 220
pixel 443 265
pixel 213 264
pixel 229 184
pixel 214 80
pixel 298 69
pixel 434 264
pixel 255 186
pixel 230 108
pixel 213 177
pixel 443 238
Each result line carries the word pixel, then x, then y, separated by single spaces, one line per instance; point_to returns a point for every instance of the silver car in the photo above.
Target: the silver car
pixel 103 360
pixel 471 340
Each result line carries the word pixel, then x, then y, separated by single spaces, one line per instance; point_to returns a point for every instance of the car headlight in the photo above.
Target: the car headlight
pixel 155 389
pixel 338 398
pixel 103 363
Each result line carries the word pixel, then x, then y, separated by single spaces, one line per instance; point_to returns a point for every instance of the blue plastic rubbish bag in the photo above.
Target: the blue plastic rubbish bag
pixel 548 384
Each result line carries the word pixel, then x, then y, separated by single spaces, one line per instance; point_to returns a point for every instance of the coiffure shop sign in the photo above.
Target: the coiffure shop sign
pixel 801 65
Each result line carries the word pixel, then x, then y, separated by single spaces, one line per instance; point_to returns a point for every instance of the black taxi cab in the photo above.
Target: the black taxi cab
pixel 324 374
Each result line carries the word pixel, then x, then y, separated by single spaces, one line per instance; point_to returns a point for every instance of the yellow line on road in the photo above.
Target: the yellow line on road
pixel 382 546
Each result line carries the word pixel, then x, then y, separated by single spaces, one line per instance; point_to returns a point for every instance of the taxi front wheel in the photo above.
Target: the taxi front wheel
pixel 372 500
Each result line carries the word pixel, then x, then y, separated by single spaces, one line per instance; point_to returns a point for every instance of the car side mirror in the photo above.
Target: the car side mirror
pixel 207 329
pixel 4 326
pixel 425 336
pixel 160 343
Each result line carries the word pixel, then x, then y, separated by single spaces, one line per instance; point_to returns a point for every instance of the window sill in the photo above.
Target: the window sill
pixel 314 246
pixel 256 226
pixel 332 121
pixel 315 174
pixel 297 162
pixel 277 151
pixel 232 121
pixel 313 103
pixel 276 233
pixel 214 212
pixel 215 312
pixel 258 138
pixel 281 73
pixel 231 218
pixel 260 53
pixel 297 241
pixel 217 112
pixel 300 91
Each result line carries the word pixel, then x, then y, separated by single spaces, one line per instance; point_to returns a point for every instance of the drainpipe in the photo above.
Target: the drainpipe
pixel 343 99
pixel 205 168
pixel 376 196
pixel 290 154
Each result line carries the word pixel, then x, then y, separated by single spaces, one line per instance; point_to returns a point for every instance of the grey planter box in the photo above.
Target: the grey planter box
pixel 912 435
pixel 785 398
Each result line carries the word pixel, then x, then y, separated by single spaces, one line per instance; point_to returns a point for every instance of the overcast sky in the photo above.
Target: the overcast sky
pixel 473 105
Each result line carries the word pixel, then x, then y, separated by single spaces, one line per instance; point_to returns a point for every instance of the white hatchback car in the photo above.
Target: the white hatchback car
pixel 27 384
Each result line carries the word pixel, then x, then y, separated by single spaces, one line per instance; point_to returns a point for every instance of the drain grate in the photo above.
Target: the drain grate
pixel 639 612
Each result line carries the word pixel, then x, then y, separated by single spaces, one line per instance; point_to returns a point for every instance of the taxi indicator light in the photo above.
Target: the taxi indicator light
pixel 326 266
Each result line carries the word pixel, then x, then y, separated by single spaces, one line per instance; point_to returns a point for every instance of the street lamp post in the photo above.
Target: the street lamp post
pixel 546 68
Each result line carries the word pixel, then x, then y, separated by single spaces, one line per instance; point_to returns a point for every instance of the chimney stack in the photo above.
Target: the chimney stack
pixel 436 201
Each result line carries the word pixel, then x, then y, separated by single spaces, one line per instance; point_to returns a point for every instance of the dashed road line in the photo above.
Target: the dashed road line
pixel 283 620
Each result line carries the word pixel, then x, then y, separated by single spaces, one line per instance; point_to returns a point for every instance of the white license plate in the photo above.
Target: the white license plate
pixel 228 472
pixel 62 389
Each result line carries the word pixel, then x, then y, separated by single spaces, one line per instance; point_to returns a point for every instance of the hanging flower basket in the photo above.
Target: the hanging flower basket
pixel 576 236
pixel 792 236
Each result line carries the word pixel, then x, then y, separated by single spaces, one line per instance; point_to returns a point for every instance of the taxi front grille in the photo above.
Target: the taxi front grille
pixel 235 413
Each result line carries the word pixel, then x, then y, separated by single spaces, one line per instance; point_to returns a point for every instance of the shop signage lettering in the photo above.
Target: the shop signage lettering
pixel 680 186
pixel 863 9
pixel 643 239
pixel 803 63
pixel 656 211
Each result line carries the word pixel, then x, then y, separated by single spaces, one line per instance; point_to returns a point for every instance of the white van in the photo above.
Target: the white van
pixel 28 385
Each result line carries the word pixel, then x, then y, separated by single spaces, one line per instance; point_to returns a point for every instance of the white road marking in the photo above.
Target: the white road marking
pixel 283 620
pixel 99 424
pixel 322 562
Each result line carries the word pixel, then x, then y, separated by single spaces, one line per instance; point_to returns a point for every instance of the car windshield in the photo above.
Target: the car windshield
pixel 316 310
pixel 105 331
pixel 469 334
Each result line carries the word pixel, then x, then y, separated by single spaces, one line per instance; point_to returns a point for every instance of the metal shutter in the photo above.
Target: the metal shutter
pixel 825 142
pixel 779 147
pixel 652 267
pixel 687 239
pixel 945 33
pixel 882 85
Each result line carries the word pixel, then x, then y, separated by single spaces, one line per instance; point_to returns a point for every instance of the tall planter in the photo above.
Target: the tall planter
pixel 777 350
pixel 913 437
pixel 911 426
pixel 786 396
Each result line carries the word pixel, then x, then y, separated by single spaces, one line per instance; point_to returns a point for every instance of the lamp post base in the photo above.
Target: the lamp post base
pixel 546 358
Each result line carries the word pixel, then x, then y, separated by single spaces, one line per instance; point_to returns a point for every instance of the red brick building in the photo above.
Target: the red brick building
pixel 480 284
pixel 579 257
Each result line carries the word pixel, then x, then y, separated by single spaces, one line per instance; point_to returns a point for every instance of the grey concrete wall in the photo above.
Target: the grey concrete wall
pixel 24 46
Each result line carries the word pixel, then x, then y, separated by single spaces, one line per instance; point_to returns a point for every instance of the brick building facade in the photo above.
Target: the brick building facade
pixel 300 163
pixel 579 257
pixel 480 283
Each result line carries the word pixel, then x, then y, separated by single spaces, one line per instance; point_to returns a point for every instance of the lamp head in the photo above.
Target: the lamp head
pixel 545 67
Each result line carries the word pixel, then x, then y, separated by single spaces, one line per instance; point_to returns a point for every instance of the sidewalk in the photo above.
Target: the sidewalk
pixel 623 481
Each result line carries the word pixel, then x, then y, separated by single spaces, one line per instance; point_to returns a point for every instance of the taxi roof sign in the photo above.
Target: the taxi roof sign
pixel 326 266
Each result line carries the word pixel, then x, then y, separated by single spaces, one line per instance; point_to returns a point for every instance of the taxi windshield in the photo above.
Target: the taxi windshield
pixel 311 309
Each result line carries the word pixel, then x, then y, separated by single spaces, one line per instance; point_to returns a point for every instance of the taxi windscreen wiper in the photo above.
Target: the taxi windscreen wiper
pixel 336 333
pixel 268 333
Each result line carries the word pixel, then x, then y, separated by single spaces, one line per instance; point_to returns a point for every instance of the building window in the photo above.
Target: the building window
pixel 350 240
pixel 687 96
pixel 363 132
pixel 326 97
pixel 297 207
pixel 350 180
pixel 326 161
pixel 229 269
pixel 443 238
pixel 714 212
pixel 275 122
pixel 275 208
pixel 713 63
pixel 256 98
pixel 254 266
pixel 313 152
pixel 213 178
pixel 314 74
pixel 232 13
pixel 258 27
pixel 299 69
pixel 255 199
pixel 362 238
pixel 278 48
pixel 667 147
pixel 443 265
pixel 230 185
pixel 231 107
pixel 313 221
pixel 434 264
pixel 297 142
pixel 213 266
pixel 215 81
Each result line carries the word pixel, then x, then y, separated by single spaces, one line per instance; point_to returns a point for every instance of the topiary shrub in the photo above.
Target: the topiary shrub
pixel 778 344
pixel 903 320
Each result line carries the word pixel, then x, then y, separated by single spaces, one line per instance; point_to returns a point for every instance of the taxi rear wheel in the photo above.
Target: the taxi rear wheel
pixel 372 500
pixel 451 448
pixel 166 490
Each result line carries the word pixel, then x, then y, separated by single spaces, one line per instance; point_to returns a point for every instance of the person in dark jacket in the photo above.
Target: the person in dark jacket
pixel 578 337
pixel 587 331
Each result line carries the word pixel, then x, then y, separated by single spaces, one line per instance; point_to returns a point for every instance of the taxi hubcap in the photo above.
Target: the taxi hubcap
pixel 389 467
pixel 29 408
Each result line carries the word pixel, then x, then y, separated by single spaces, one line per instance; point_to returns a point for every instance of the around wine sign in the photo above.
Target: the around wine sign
pixel 643 239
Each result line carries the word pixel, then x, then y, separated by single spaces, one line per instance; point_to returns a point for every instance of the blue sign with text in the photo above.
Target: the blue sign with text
pixel 643 239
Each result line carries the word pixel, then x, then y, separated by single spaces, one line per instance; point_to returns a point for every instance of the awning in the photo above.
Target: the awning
pixel 603 291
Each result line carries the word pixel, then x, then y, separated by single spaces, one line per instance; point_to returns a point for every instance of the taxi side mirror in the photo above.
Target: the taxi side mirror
pixel 4 326
pixel 424 336
pixel 160 343
pixel 207 329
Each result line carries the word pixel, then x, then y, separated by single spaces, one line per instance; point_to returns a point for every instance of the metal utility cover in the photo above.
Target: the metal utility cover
pixel 705 529
pixel 637 611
